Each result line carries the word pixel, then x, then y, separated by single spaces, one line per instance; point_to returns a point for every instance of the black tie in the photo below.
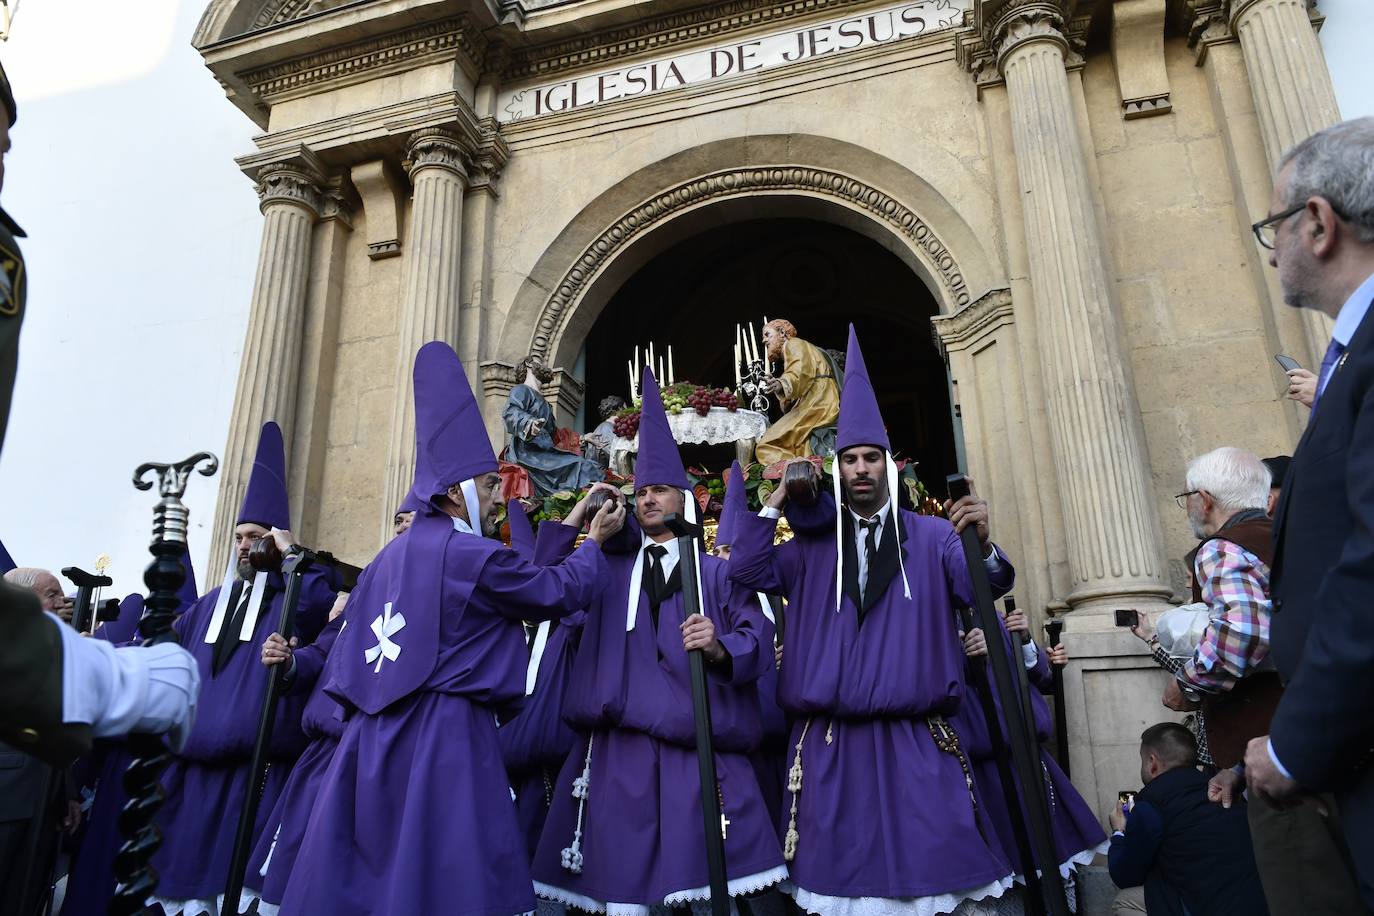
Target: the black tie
pixel 658 583
pixel 228 639
pixel 870 525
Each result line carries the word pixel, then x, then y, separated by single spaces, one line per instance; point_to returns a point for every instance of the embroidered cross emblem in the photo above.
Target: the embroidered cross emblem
pixel 384 627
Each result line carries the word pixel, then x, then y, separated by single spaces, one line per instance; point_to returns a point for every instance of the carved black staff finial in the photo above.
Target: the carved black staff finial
pixel 132 866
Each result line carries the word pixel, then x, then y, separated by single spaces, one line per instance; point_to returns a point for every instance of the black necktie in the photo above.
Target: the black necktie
pixel 228 639
pixel 657 582
pixel 870 525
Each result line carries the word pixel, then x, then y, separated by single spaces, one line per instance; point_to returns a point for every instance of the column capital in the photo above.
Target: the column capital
pixel 439 148
pixel 490 157
pixel 1006 25
pixel 286 183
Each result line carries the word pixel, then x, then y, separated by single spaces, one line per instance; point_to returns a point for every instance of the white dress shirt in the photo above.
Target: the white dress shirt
pixel 668 561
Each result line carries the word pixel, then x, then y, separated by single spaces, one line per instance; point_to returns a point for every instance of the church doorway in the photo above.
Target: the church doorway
pixel 816 274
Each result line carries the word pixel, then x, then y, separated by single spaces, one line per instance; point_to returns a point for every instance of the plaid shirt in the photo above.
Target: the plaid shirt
pixel 1235 585
pixel 1193 721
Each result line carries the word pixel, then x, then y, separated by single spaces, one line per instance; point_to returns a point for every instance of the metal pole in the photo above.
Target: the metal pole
pixel 132 868
pixel 1061 720
pixel 687 534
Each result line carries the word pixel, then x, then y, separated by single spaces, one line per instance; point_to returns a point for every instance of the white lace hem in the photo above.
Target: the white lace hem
pixel 205 907
pixel 748 884
pixel 893 906
pixel 1070 865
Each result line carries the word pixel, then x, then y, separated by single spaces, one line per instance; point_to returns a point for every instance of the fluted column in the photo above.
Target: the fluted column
pixel 1294 97
pixel 291 200
pixel 1115 551
pixel 432 289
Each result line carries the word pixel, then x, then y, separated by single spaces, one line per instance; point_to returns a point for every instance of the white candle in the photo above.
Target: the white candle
pixel 661 376
pixel 652 364
pixel 672 375
pixel 737 378
pixel 740 351
pixel 631 367
pixel 753 344
pixel 636 368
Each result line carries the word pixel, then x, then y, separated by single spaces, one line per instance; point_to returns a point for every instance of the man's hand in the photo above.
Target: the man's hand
pixel 1264 778
pixel 778 498
pixel 1059 655
pixel 772 385
pixel 1017 622
pixel 72 819
pixel 1174 699
pixel 283 538
pixel 340 601
pixel 1143 629
pixel 578 516
pixel 975 644
pixel 1116 818
pixel 65 611
pixel 1302 386
pixel 699 632
pixel 1224 787
pixel 276 651
pixel 536 427
pixel 969 510
pixel 607 521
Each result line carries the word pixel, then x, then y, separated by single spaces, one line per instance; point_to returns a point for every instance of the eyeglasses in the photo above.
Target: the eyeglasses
pixel 1182 498
pixel 1267 229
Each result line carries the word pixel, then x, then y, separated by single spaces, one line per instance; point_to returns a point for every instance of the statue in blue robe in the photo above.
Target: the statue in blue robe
pixel 530 427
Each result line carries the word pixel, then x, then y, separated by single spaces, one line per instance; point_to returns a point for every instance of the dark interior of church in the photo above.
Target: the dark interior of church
pixel 819 276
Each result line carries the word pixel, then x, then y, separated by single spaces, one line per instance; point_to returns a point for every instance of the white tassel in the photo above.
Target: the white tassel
pixel 572 855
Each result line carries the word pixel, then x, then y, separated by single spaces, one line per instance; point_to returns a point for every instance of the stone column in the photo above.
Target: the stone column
pixel 291 201
pixel 431 290
pixel 1293 96
pixel 1115 551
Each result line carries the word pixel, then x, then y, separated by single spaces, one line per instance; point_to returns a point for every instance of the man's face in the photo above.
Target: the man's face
pixel 1197 515
pixel 863 474
pixel 1149 767
pixel 245 536
pixel 1298 269
pixel 489 502
pixel 49 590
pixel 655 503
pixel 400 523
pixel 773 339
pixel 722 551
pixel 1273 501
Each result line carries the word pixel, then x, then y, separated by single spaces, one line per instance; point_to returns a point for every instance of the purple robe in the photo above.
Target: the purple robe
pixel 1077 833
pixel 206 784
pixel 642 833
pixel 415 814
pixel 771 759
pixel 322 723
pixel 883 812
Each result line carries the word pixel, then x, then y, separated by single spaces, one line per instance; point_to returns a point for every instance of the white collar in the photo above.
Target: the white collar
pixel 1353 311
pixel 859 520
pixel 461 525
pixel 669 545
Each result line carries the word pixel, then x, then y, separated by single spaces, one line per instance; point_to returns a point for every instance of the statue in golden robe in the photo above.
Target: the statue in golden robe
pixel 806 388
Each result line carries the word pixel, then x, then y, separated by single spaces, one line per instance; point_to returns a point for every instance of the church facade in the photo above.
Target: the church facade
pixel 1065 185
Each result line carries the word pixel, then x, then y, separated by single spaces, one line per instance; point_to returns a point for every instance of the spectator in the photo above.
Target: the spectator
pixel 1321 236
pixel 1278 473
pixel 46 586
pixel 1192 857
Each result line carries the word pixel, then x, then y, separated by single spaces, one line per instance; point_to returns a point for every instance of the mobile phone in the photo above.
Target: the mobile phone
pixel 1287 362
pixel 1126 799
pixel 1127 617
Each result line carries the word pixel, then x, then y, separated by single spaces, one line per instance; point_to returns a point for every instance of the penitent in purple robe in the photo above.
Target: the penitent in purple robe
pixel 322 722
pixel 641 834
pixel 207 782
pixel 885 819
pixel 415 813
pixel 1077 834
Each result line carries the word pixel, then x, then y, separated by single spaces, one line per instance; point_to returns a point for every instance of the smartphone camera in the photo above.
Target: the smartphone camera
pixel 1127 617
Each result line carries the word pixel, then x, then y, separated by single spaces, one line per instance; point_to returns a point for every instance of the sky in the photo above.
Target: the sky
pixel 143 239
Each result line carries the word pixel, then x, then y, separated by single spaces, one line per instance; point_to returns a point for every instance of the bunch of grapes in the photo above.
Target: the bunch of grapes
pixel 724 397
pixel 701 400
pixel 674 399
pixel 626 425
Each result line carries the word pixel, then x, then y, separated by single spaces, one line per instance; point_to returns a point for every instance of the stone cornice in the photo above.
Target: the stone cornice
pixel 992 310
pixel 899 219
pixel 656 33
pixel 456 38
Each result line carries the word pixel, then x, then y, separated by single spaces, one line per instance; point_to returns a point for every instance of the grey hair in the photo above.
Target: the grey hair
pixel 25 576
pixel 1235 478
pixel 1337 163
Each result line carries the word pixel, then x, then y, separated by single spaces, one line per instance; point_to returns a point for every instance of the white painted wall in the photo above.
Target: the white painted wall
pixel 143 241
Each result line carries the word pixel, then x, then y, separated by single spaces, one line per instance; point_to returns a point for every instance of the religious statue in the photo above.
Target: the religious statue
pixel 807 389
pixel 596 445
pixel 530 430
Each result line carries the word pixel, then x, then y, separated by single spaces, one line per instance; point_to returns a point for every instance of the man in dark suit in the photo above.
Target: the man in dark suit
pixel 1321 236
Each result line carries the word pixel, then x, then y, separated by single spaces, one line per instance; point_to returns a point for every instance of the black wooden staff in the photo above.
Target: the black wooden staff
pixel 86 584
pixel 1023 685
pixel 1053 629
pixel 1025 753
pixel 687 534
pixel 137 879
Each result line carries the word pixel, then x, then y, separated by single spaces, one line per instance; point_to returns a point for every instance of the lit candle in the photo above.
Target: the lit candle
pixel 737 378
pixel 672 376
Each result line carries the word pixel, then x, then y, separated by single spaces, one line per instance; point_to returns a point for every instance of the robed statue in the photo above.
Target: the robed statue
pixel 530 430
pixel 808 391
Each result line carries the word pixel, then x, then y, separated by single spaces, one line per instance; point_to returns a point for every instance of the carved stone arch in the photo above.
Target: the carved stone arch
pixel 820 179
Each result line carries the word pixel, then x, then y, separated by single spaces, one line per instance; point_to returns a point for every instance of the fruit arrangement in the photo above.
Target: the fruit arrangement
pixel 677 398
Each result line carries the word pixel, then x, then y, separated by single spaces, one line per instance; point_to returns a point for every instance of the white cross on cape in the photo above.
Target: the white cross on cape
pixel 384 627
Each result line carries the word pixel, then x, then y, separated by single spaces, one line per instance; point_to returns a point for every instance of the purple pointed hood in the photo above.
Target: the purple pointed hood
pixel 6 561
pixel 521 534
pixel 450 436
pixel 736 504
pixel 411 503
pixel 658 461
pixel 126 627
pixel 264 500
pixel 860 422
